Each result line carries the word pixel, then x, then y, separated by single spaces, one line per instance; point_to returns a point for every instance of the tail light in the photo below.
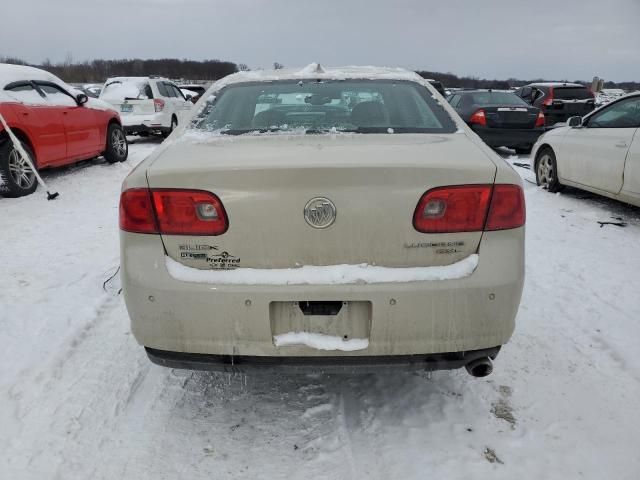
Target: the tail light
pixel 470 208
pixel 136 211
pixel 547 102
pixel 461 208
pixel 158 104
pixel 540 120
pixel 172 212
pixel 479 118
pixel 507 208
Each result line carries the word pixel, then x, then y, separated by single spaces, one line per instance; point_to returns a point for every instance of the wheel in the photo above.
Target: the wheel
pixel 117 146
pixel 547 171
pixel 523 150
pixel 16 176
pixel 174 124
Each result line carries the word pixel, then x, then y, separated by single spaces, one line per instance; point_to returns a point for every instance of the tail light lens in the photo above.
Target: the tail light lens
pixel 479 118
pixel 549 100
pixel 461 208
pixel 158 104
pixel 540 120
pixel 189 212
pixel 470 208
pixel 172 212
pixel 507 208
pixel 136 211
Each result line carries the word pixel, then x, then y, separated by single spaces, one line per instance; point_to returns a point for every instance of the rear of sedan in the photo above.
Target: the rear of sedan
pixel 501 119
pixel 323 224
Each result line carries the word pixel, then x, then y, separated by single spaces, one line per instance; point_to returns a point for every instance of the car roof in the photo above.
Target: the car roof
pixel 134 79
pixel 13 73
pixel 555 84
pixel 316 71
pixel 483 90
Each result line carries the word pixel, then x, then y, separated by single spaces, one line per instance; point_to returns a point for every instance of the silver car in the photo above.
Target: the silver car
pixel 327 220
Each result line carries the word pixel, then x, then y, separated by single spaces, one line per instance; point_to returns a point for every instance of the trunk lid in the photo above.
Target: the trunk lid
pixel 510 116
pixel 134 107
pixel 374 181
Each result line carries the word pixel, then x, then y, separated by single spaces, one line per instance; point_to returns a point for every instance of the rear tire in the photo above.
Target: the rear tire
pixel 547 170
pixel 117 146
pixel 174 125
pixel 16 177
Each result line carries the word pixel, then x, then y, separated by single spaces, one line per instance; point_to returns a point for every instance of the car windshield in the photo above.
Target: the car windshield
pixel 496 98
pixel 365 106
pixel 118 90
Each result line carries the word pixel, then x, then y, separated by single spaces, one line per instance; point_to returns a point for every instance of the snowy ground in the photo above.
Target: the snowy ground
pixel 80 400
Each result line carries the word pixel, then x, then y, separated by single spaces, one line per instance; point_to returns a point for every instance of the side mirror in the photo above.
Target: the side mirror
pixel 574 122
pixel 81 99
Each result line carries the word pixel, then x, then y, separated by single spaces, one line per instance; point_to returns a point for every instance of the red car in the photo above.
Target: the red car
pixel 57 125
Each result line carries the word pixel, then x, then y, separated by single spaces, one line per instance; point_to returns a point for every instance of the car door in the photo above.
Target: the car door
pixel 594 155
pixel 80 122
pixel 631 182
pixel 42 122
pixel 183 106
pixel 526 94
pixel 172 100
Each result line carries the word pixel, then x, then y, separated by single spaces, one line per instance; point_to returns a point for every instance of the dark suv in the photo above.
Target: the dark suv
pixel 558 101
pixel 500 118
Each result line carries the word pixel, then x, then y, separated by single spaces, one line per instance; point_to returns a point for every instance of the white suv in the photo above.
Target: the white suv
pixel 146 104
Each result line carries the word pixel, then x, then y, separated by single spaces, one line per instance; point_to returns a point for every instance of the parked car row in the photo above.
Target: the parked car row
pixel 516 119
pixel 500 118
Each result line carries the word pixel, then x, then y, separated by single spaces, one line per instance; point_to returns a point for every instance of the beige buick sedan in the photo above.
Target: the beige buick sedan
pixel 318 219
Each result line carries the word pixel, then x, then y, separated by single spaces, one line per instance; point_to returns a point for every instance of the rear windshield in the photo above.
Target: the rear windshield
pixel 118 90
pixel 571 93
pixel 364 106
pixel 496 98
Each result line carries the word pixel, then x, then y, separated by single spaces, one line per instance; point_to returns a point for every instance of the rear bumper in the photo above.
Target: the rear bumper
pixel 142 128
pixel 508 137
pixel 411 318
pixel 363 364
pixel 145 123
pixel 553 116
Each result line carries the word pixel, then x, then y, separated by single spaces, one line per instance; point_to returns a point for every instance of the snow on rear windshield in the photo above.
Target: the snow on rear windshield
pixel 119 90
pixel 366 106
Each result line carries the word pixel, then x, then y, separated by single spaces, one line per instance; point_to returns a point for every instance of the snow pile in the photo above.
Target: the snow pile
pixel 311 69
pixel 320 341
pixel 322 275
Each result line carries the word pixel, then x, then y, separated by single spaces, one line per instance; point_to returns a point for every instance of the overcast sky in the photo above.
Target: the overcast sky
pixel 561 39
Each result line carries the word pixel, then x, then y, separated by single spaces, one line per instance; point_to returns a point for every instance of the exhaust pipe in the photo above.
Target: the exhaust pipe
pixel 480 367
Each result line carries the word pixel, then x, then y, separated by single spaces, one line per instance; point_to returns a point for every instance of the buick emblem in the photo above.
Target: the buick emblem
pixel 320 212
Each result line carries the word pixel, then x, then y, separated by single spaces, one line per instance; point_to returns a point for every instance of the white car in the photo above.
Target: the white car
pixel 147 104
pixel 323 219
pixel 599 153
